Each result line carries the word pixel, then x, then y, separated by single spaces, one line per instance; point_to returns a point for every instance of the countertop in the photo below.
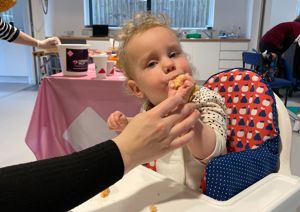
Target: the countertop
pixel 184 40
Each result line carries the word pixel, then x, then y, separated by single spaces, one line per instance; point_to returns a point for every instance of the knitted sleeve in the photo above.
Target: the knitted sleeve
pixel 61 183
pixel 8 32
pixel 213 113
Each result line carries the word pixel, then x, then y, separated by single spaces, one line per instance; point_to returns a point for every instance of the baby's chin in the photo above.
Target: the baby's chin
pixel 157 101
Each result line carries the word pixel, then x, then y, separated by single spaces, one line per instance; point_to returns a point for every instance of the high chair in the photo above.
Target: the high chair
pixel 272 188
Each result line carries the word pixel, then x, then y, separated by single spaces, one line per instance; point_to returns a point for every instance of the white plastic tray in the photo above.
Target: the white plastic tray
pixel 139 189
pixel 142 187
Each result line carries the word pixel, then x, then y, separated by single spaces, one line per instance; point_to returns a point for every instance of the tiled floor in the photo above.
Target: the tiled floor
pixel 11 88
pixel 16 106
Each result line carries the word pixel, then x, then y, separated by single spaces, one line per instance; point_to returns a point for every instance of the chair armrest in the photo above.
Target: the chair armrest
pixel 275 192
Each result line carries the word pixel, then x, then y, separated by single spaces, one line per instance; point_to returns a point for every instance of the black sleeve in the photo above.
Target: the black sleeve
pixel 61 183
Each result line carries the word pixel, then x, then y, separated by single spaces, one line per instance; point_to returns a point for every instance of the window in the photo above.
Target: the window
pixel 7 16
pixel 183 13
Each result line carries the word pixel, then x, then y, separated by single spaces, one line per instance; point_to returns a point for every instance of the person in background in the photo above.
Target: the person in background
pixel 61 183
pixel 12 34
pixel 278 39
pixel 153 60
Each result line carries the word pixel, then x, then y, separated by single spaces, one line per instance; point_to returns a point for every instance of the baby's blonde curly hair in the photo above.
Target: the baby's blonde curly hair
pixel 140 23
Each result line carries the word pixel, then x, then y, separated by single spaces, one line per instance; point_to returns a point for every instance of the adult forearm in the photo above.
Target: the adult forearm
pixel 26 40
pixel 61 183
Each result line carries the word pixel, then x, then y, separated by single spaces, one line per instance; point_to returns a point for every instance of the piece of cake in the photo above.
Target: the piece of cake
pixel 179 80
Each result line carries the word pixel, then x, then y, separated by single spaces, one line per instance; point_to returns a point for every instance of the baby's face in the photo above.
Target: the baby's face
pixel 156 57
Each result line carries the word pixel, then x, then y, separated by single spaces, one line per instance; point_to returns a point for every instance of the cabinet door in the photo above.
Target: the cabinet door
pixel 204 56
pixel 231 54
pixel 234 46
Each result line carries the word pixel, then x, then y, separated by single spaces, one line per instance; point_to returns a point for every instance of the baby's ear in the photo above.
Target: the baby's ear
pixel 135 89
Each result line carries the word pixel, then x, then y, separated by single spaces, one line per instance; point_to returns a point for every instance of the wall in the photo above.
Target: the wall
pixel 255 23
pixel 231 14
pixel 16 64
pixel 64 16
pixel 38 20
pixel 278 11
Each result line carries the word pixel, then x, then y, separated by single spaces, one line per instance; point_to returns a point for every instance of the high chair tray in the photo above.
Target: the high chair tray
pixel 142 188
pixel 138 190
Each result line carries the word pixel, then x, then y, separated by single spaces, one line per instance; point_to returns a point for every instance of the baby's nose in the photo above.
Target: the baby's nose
pixel 169 66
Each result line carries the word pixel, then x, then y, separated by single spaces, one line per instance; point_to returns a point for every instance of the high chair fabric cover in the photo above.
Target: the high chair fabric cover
pixel 253 134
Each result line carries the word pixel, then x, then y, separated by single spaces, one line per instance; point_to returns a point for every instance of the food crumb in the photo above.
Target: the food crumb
pixel 105 193
pixel 153 208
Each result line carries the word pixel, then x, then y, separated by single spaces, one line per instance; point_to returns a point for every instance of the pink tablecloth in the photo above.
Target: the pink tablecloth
pixel 70 113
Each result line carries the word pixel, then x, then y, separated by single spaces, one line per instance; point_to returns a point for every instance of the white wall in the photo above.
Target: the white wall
pixel 255 23
pixel 63 16
pixel 16 63
pixel 231 13
pixel 38 20
pixel 278 11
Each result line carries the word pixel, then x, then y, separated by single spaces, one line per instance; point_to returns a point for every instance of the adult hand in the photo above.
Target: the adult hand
pixel 156 132
pixel 49 43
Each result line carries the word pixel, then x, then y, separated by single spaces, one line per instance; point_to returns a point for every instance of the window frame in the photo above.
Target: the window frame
pixel 88 10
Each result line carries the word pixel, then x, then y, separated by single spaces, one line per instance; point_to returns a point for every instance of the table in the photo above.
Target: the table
pixel 70 113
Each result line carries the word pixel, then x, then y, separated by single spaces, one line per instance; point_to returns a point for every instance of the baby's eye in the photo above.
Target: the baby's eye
pixel 173 54
pixel 151 64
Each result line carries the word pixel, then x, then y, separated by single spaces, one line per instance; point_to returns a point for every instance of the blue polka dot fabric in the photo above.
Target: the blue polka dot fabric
pixel 252 138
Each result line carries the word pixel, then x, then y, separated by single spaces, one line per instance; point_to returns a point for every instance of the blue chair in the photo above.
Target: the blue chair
pixel 255 60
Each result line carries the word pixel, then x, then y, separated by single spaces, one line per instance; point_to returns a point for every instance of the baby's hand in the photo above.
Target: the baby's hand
pixel 183 85
pixel 117 121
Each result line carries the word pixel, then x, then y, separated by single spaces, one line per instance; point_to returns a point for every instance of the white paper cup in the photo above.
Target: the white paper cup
pixel 110 68
pixel 74 59
pixel 100 61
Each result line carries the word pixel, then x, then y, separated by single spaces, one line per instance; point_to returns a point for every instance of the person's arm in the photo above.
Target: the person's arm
pixel 60 184
pixel 30 41
pixel 8 32
pixel 13 34
pixel 211 130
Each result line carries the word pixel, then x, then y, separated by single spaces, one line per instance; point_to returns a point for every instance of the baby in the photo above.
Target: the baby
pixel 152 58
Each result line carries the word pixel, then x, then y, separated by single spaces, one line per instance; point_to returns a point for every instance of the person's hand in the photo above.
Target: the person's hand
pixel 49 43
pixel 185 89
pixel 156 132
pixel 117 121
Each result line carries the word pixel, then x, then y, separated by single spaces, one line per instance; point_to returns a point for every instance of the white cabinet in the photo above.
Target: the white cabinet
pixel 231 54
pixel 204 56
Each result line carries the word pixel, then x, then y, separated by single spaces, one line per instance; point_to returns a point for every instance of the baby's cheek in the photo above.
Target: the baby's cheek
pixel 187 68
